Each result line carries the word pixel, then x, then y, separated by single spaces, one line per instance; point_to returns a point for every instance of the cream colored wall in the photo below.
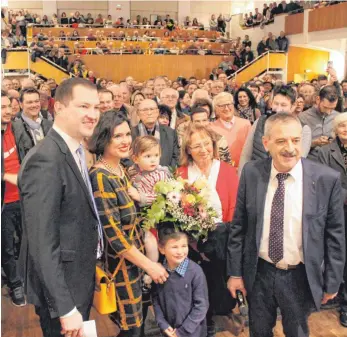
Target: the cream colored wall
pixel 84 7
pixel 202 10
pixel 146 8
pixel 32 6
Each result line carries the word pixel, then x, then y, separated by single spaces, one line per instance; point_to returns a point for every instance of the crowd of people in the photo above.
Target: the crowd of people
pixel 270 10
pixel 210 128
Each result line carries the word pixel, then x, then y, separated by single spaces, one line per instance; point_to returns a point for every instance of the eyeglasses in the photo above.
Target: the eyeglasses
pixel 225 106
pixel 148 110
pixel 201 146
pixel 170 97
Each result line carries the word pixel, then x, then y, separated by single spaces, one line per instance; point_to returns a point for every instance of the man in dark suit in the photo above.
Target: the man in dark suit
pixel 148 113
pixel 61 229
pixel 287 239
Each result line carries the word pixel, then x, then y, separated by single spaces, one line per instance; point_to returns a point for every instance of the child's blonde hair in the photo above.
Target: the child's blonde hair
pixel 143 144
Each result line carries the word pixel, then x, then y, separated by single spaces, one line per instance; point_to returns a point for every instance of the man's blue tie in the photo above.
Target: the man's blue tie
pixel 84 171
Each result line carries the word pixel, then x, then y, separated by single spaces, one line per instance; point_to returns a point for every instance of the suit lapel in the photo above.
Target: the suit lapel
pixel 72 163
pixel 336 154
pixel 262 186
pixel 309 191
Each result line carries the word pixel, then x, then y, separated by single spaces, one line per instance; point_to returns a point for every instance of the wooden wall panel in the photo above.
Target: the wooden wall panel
pixel 301 59
pixel 294 24
pixel 332 17
pixel 143 67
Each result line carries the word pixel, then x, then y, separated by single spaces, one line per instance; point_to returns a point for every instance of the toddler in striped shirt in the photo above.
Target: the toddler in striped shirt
pixel 144 174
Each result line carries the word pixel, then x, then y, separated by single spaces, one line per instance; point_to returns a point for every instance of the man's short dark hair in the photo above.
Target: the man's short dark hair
pixel 344 81
pixel 272 86
pixel 322 78
pixel 200 102
pixel 313 80
pixel 104 130
pixel 27 91
pixel 64 92
pixel 198 110
pixel 286 91
pixel 253 85
pixel 105 91
pixel 3 93
pixel 328 92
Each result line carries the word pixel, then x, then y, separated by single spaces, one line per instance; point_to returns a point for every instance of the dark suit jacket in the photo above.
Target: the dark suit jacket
pixel 60 233
pixel 322 222
pixel 170 151
pixel 331 156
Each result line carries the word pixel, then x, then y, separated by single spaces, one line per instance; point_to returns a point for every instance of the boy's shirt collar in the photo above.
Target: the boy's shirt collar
pixel 180 269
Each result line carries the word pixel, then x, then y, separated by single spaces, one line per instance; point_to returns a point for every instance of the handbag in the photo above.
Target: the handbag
pixel 105 289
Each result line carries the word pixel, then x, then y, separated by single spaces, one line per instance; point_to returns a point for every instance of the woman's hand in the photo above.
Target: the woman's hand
pixel 157 272
pixel 134 194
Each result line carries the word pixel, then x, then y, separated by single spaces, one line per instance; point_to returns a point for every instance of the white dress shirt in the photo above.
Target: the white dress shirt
pixel 230 124
pixel 71 143
pixel 194 174
pixel 292 230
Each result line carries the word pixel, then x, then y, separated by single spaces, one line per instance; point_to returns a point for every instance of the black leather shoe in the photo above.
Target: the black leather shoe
pixel 17 297
pixel 343 319
pixel 331 304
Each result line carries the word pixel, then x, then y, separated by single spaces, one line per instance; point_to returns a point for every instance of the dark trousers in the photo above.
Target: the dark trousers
pixel 51 327
pixel 344 286
pixel 287 289
pixel 11 224
pixel 135 332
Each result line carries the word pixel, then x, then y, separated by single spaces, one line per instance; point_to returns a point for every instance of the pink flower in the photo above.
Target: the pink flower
pixel 174 197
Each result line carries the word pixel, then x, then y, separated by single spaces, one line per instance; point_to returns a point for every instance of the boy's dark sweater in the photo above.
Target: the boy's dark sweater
pixel 182 302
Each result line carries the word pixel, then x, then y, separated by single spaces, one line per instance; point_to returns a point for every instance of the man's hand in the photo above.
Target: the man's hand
pixel 236 283
pixel 170 332
pixel 72 326
pixel 134 194
pixel 157 272
pixel 327 297
pixel 320 141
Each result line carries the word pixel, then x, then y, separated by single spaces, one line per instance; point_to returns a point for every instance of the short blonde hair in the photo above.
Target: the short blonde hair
pixel 340 118
pixel 186 157
pixel 143 144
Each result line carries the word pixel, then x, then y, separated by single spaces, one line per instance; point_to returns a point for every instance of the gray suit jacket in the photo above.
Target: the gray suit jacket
pixel 322 224
pixel 331 156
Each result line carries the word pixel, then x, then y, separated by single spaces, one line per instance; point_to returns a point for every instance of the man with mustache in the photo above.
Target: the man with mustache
pixel 62 235
pixel 286 244
pixel 283 99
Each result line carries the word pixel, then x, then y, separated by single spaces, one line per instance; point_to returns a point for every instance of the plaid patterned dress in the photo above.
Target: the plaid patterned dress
pixel 121 231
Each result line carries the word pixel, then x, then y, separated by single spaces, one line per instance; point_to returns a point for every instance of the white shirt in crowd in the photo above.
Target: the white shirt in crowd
pixel 194 174
pixel 293 201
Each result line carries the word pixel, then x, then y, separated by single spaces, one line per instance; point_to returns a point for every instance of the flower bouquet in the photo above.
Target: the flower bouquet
pixel 184 205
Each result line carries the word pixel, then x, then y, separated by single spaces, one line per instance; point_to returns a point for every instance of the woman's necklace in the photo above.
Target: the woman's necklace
pixel 113 170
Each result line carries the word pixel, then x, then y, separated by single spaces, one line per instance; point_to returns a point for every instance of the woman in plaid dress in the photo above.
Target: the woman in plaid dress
pixel 123 245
